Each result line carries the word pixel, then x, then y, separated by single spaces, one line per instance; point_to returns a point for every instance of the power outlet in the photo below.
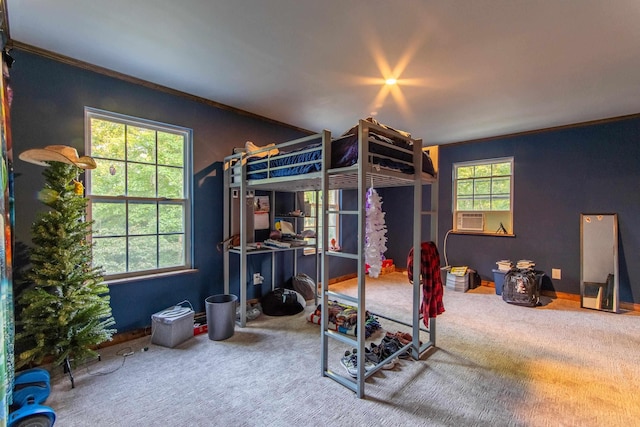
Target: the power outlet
pixel 257 279
pixel 556 273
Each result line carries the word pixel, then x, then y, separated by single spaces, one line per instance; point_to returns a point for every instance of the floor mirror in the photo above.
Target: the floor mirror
pixel 599 262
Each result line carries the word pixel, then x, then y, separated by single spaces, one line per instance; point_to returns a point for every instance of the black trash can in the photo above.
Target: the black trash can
pixel 221 316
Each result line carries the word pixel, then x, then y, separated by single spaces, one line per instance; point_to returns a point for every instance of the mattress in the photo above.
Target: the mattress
pixel 344 152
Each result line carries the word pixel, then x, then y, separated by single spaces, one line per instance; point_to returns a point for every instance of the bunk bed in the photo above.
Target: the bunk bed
pixel 368 154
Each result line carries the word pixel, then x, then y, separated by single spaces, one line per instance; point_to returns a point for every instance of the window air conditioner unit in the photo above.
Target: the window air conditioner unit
pixel 470 221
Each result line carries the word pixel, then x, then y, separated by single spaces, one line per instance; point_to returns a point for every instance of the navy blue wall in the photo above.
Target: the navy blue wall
pixel 48 108
pixel 559 174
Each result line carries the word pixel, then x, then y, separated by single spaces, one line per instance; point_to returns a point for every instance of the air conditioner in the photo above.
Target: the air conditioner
pixel 470 221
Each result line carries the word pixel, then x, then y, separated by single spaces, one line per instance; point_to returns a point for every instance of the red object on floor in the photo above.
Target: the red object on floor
pixel 199 329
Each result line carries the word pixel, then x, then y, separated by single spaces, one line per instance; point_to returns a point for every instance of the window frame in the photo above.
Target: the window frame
pixel 319 210
pixel 186 201
pixel 496 221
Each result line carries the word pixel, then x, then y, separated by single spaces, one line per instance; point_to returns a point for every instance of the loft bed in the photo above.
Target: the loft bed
pixel 370 154
pixel 299 163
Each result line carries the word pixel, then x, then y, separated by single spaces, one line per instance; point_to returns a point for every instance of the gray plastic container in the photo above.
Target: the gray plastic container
pixel 221 316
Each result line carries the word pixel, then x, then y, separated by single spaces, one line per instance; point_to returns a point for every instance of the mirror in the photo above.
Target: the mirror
pixel 599 261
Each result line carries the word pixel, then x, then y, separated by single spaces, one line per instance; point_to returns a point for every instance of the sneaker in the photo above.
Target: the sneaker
pixel 393 344
pixel 382 353
pixel 406 338
pixel 350 363
pixel 370 361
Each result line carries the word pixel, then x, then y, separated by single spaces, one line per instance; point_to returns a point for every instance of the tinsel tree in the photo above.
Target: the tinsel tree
pixel 375 233
pixel 64 313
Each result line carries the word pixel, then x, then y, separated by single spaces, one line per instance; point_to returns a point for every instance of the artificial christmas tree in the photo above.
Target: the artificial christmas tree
pixel 375 233
pixel 65 312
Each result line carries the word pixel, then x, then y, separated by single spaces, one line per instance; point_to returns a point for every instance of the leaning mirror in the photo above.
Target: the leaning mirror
pixel 599 261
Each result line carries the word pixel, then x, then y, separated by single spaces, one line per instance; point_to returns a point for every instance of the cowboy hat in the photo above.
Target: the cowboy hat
pixel 57 153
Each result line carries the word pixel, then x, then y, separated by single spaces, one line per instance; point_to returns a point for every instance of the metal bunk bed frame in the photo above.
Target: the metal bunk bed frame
pixel 351 177
pixel 358 176
pixel 235 180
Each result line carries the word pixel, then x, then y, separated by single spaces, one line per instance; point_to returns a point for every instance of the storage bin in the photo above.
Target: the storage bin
pixel 172 326
pixel 498 279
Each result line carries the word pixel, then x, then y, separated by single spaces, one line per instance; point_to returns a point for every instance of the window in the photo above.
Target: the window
pixel 311 197
pixel 139 194
pixel 483 196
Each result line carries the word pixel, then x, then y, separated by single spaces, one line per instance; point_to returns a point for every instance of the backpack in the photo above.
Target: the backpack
pixel 521 287
pixel 282 302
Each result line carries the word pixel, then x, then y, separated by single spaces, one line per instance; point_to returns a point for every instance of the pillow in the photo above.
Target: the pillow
pixel 253 150
pixel 354 130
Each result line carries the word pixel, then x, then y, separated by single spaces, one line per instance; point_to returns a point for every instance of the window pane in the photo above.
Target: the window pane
pixel 333 220
pixel 465 204
pixel 502 168
pixel 109 219
pixel 142 218
pixel 482 186
pixel 481 204
pixel 111 254
pixel 141 145
pixel 141 180
pixel 171 252
pixel 171 218
pixel 107 179
pixel 501 186
pixel 465 188
pixel 465 172
pixel 143 253
pixel 482 170
pixel 170 182
pixel 170 149
pixel 500 204
pixel 107 139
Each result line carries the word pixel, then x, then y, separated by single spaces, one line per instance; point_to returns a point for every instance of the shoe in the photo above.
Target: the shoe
pixel 404 338
pixel 371 359
pixel 393 344
pixel 383 352
pixel 350 363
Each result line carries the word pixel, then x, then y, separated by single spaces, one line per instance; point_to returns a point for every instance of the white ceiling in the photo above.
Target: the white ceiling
pixel 466 69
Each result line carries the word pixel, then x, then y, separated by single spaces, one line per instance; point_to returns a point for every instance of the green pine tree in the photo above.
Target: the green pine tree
pixel 64 313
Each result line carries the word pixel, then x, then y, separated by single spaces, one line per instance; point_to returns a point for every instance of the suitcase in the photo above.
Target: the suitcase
pixel 521 287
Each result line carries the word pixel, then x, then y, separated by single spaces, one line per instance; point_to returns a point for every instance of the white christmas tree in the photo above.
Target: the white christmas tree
pixel 375 233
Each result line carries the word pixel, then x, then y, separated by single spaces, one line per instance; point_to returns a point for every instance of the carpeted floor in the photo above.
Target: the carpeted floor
pixel 495 365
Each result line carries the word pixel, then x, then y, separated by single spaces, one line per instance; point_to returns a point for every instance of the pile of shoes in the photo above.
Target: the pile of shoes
pixel 253 311
pixel 390 344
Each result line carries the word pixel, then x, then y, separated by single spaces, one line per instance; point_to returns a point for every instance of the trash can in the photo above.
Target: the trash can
pixel 221 316
pixel 498 279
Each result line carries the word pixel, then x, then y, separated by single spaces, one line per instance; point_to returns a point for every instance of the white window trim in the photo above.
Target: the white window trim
pixel 89 113
pixel 494 231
